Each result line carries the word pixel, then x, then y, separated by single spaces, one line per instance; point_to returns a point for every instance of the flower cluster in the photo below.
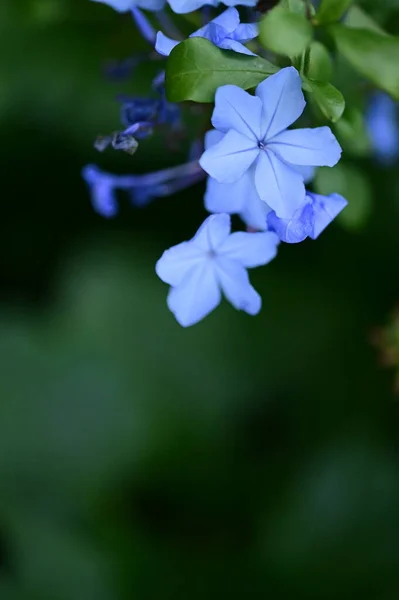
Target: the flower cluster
pixel 256 165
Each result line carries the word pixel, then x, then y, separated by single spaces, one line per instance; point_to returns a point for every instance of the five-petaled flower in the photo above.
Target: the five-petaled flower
pixel 224 31
pixel 254 135
pixel 214 261
pixel 240 197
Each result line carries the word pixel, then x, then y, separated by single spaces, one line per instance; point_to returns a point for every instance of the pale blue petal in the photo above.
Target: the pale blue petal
pixel 212 233
pixel 308 221
pixel 293 230
pixel 196 296
pixel 306 171
pixel 241 2
pixel 240 198
pixel 236 287
pixel 229 44
pixel 282 99
pixel 229 20
pixel 212 137
pixel 317 147
pixel 245 32
pixel 187 6
pixel 225 197
pixel 149 4
pixel 250 249
pixel 175 263
pixel 125 5
pixel 143 25
pixel 255 211
pixel 279 185
pixel 325 208
pixel 228 160
pixel 236 109
pixel 212 32
pixel 164 45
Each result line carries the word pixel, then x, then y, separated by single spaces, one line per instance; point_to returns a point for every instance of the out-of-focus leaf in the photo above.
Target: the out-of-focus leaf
pixel 358 19
pixel 318 62
pixel 329 100
pixel 353 184
pixel 331 10
pixel 285 32
pixel 373 55
pixel 351 132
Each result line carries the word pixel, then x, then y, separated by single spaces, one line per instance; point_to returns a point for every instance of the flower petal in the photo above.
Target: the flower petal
pixel 187 6
pixel 282 99
pixel 306 171
pixel 235 284
pixel 196 296
pixel 149 4
pixel 175 263
pixel 213 232
pixel 164 45
pixel 316 147
pixel 240 198
pixel 242 2
pixel 250 249
pixel 279 185
pixel 229 44
pixel 225 197
pixel 229 20
pixel 325 208
pixel 212 137
pixel 228 160
pixel 293 230
pixel 245 32
pixel 236 109
pixel 255 211
pixel 143 25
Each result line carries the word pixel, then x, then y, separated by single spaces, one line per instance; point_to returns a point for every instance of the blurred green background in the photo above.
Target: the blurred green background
pixel 242 458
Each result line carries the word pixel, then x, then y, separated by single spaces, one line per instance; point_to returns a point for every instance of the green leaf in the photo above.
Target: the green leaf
pixel 331 11
pixel 329 100
pixel 285 32
pixel 351 183
pixel 301 7
pixel 358 19
pixel 373 55
pixel 196 68
pixel 319 63
pixel 351 132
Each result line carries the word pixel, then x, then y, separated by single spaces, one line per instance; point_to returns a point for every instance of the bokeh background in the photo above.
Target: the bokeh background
pixel 242 458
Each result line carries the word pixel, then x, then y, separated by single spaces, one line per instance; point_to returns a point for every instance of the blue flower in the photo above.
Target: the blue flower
pixel 308 221
pixel 141 112
pixel 383 127
pixel 102 190
pixel 125 5
pixel 187 6
pixel 141 188
pixel 255 134
pixel 240 197
pixel 212 263
pixel 224 31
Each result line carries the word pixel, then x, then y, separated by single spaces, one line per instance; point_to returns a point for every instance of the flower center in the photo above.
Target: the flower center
pixel 261 145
